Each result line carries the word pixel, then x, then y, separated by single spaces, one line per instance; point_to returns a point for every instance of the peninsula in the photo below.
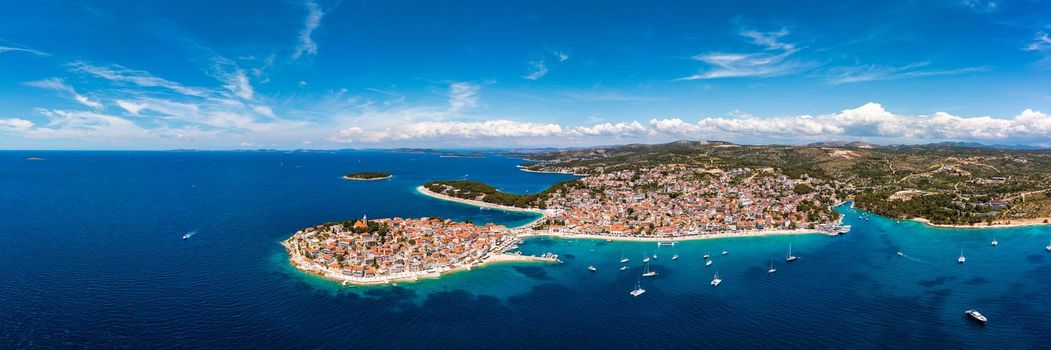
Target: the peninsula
pixel 367 176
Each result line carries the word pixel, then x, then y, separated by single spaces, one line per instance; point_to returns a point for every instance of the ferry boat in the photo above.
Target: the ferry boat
pixel 716 280
pixel 638 289
pixel 649 273
pixel 592 268
pixel 675 257
pixel 772 269
pixel 975 315
pixel 707 263
pixel 790 257
pixel 961 259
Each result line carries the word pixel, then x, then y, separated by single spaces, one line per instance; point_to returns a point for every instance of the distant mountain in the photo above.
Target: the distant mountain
pixel 843 144
pixel 982 145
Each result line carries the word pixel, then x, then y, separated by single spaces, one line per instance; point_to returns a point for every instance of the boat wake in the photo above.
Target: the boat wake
pixel 189 234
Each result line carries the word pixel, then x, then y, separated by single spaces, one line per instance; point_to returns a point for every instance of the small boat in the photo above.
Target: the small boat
pixel 1048 247
pixel 706 255
pixel 675 257
pixel 646 260
pixel 994 242
pixel 961 259
pixel 725 251
pixel 901 254
pixel 622 268
pixel 975 315
pixel 592 268
pixel 790 257
pixel 716 280
pixel 345 282
pixel 707 263
pixel 623 259
pixel 638 289
pixel 186 236
pixel 772 269
pixel 654 256
pixel 649 273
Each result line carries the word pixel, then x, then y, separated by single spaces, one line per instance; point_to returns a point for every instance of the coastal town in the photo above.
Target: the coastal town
pixel 664 202
pixel 380 251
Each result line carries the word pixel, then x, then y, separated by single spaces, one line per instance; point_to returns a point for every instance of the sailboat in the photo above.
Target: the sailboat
pixel 638 288
pixel 707 263
pixel 623 259
pixel 716 280
pixel 772 269
pixel 961 259
pixel 649 273
pixel 994 242
pixel 645 259
pixel 622 268
pixel 725 251
pixel 706 255
pixel 790 257
pixel 658 251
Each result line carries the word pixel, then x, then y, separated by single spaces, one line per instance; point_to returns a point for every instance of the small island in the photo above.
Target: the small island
pixel 368 176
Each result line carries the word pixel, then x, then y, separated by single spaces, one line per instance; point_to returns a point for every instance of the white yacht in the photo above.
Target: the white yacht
pixel 725 251
pixel 977 316
pixel 622 268
pixel 1048 247
pixel 592 268
pixel 961 259
pixel 638 289
pixel 707 263
pixel 772 269
pixel 675 257
pixel 648 273
pixel 706 256
pixel 901 254
pixel 623 260
pixel 716 280
pixel 646 260
pixel 790 257
pixel 186 236
pixel 994 242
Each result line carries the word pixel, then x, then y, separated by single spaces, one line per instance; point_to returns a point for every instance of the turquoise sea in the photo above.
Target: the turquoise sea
pixel 91 256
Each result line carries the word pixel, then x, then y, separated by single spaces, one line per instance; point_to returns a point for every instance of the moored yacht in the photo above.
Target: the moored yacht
pixel 648 273
pixel 975 315
pixel 994 242
pixel 790 257
pixel 675 257
pixel 716 280
pixel 622 268
pixel 706 256
pixel 624 260
pixel 638 289
pixel 961 259
pixel 772 269
pixel 1048 247
pixel 725 251
pixel 592 268
pixel 707 263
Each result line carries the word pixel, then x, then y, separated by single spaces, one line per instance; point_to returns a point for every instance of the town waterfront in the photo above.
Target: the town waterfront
pixel 92 256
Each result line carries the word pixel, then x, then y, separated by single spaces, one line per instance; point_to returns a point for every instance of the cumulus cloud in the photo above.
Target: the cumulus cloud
pixel 306 44
pixel 633 128
pixel 61 86
pixel 444 130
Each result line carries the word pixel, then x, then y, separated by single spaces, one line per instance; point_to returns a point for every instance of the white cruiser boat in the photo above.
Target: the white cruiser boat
pixel 592 268
pixel 675 257
pixel 725 251
pixel 1048 248
pixel 901 254
pixel 716 280
pixel 622 268
pixel 961 259
pixel 790 257
pixel 646 260
pixel 994 242
pixel 706 255
pixel 638 289
pixel 186 236
pixel 977 316
pixel 624 260
pixel 707 263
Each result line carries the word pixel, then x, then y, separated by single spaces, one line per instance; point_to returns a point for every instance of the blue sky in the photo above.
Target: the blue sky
pixel 354 74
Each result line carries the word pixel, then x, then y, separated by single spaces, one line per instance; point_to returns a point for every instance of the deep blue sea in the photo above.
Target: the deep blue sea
pixel 91 256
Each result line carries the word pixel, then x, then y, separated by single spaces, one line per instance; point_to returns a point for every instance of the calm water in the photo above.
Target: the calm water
pixel 91 255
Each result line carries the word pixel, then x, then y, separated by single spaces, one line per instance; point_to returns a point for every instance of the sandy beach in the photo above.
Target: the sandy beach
pixel 1014 223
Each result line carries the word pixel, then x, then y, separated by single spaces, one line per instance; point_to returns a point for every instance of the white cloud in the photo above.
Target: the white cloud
pixel 539 70
pixel 855 74
pixel 633 128
pixel 21 49
pixel 447 130
pixel 75 125
pixel 131 107
pixel 562 56
pixel 120 74
pixel 1041 42
pixel 232 77
pixel 771 62
pixel 60 85
pixel 463 96
pixel 313 20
